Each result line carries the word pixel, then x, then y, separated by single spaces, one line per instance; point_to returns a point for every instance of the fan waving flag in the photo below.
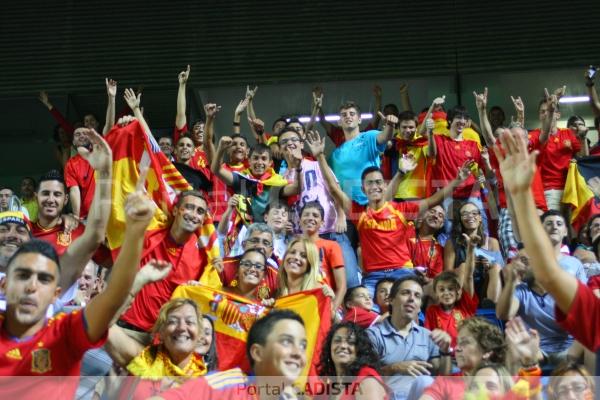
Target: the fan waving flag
pixel 583 174
pixel 134 149
pixel 234 315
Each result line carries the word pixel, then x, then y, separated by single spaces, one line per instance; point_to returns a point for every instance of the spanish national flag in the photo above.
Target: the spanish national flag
pixel 134 149
pixel 234 315
pixel 578 193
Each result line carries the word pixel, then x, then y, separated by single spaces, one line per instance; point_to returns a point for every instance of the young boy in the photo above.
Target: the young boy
pixel 359 306
pixel 382 294
pixel 259 184
pixel 454 304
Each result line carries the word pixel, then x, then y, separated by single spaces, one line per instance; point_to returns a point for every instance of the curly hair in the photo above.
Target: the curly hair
pixel 488 336
pixel 365 353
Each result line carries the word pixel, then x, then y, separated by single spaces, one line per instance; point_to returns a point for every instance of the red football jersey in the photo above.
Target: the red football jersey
pixel 79 172
pixel 57 236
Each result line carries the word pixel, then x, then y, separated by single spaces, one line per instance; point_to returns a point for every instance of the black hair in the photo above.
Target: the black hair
pixel 263 326
pixel 573 118
pixel 255 250
pixel 395 110
pixel 382 281
pixel 237 135
pixel 499 109
pixel 365 352
pixel 396 286
pixel 369 170
pixel 261 148
pixel 313 204
pixel 187 193
pixel 277 204
pixel 457 112
pixel 280 119
pixel 294 120
pixel 210 358
pixel 52 175
pixel 407 116
pixel 36 246
pixel 288 129
pixel 350 293
pixel 552 213
pixel 31 179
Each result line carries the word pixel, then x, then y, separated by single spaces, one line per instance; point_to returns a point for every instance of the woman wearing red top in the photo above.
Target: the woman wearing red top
pixel 348 354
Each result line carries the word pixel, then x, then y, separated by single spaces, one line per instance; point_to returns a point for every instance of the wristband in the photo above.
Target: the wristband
pixel 589 83
pixel 236 123
pixel 447 353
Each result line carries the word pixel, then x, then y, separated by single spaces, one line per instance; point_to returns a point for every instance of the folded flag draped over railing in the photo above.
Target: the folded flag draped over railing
pixel 234 315
pixel 133 149
pixel 578 193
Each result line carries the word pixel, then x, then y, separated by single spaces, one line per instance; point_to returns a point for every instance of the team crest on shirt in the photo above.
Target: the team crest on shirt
pixel 40 361
pixel 458 317
pixel 172 250
pixel 63 238
pixel 567 143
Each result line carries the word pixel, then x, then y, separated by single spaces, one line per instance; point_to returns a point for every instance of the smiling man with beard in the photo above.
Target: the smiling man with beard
pixel 178 245
pixel 50 227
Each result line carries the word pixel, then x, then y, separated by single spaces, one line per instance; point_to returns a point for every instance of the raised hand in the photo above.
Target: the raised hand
pixel 407 163
pixel 318 92
pixel 43 97
pixel 403 87
pixel 518 103
pixel 560 92
pixel 317 99
pixel 139 208
pixel 390 120
pixel 217 263
pixel 517 165
pixel 100 157
pixel 523 343
pixel 438 101
pixel 250 93
pixel 111 87
pixel 211 110
pixel 377 91
pixel 126 120
pixel 131 99
pixel 70 221
pixel 241 107
pixel 154 270
pixel 429 125
pixel 465 170
pixel 481 99
pixel 257 124
pixel 184 76
pixel 472 240
pixel 225 142
pixel 316 144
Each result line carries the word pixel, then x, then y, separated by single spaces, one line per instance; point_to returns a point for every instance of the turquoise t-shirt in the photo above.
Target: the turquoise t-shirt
pixel 350 160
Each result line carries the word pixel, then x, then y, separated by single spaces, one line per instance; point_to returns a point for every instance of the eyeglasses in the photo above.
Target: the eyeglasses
pixel 248 265
pixel 256 240
pixel 374 182
pixel 465 214
pixel 285 142
pixel 576 388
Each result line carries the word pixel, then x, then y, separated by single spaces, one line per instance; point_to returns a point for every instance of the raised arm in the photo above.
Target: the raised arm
pixel 79 253
pixel 293 157
pixel 139 210
pixel 439 196
pixel 210 110
pixel 250 93
pixel 316 146
pixel 465 273
pixel 58 117
pixel 486 127
pixel 438 101
pixel 594 100
pixel 377 94
pixel 549 122
pixel 405 98
pixel 180 118
pixel 328 126
pixel 406 164
pixel 75 199
pixel 237 117
pixel 216 165
pixel 508 305
pixel 121 347
pixel 518 168
pixel 387 133
pixel 520 110
pixel 111 91
pixel 134 102
pixel 316 107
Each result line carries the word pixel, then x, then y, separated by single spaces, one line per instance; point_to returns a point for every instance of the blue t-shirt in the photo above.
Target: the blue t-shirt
pixel 538 313
pixel 350 160
pixel 573 266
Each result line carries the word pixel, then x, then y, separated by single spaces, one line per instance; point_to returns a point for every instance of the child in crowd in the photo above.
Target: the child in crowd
pixel 359 307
